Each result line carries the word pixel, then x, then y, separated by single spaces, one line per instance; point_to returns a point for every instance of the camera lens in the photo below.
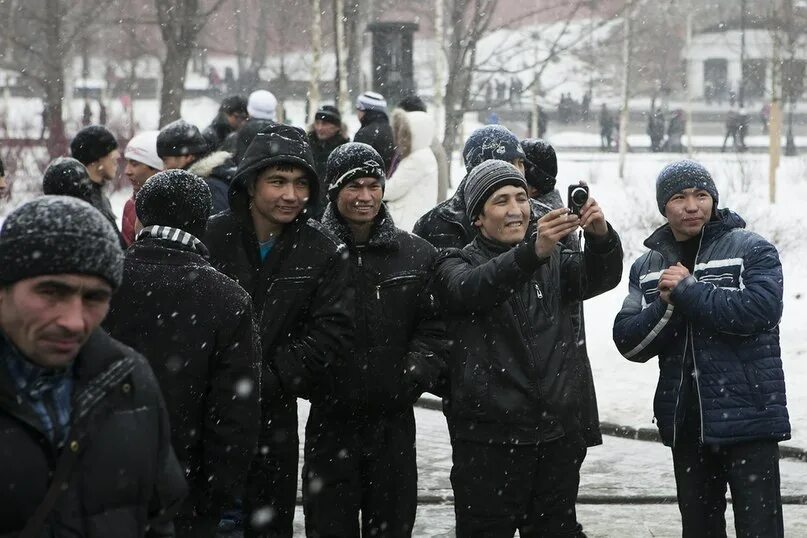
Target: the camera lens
pixel 579 196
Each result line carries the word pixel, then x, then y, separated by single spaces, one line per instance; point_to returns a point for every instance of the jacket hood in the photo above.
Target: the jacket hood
pixel 277 144
pixel 206 167
pixel 663 240
pixel 413 131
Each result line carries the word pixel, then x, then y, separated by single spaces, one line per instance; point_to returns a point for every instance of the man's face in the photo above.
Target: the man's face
pixel 519 163
pixel 50 317
pixel 360 200
pixel 236 120
pixel 505 215
pixel 325 130
pixel 107 166
pixel 688 211
pixel 180 162
pixel 137 173
pixel 359 114
pixel 280 194
pixel 3 187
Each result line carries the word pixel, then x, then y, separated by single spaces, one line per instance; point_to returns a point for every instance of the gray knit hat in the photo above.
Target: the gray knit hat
pixel 682 175
pixel 485 179
pixel 175 198
pixel 57 235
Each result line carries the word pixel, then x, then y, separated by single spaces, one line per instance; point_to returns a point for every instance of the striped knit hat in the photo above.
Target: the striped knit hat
pixel 371 101
pixel 485 179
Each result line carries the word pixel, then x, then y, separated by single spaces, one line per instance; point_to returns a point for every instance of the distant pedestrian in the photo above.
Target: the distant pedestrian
pixel 606 128
pixel 655 129
pixel 376 131
pixel 230 117
pixel 412 103
pixel 325 135
pixel 262 112
pixel 142 162
pixel 675 131
pixel 86 115
pixel 102 117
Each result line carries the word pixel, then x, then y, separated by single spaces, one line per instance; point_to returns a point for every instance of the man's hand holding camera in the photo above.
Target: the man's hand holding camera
pixel 557 224
pixel 670 279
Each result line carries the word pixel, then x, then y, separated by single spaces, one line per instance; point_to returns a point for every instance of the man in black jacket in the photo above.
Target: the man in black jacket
pixel 325 136
pixel 297 273
pixel 514 409
pixel 195 326
pixel 82 420
pixel 447 225
pixel 366 421
pixel 376 131
pixel 231 116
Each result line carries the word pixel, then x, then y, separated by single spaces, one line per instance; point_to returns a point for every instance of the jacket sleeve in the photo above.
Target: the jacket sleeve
pixel 463 287
pixel 640 332
pixel 754 308
pixel 233 417
pixel 594 271
pixel 325 335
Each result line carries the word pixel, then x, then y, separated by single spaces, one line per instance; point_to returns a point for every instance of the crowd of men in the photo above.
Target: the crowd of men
pixel 150 373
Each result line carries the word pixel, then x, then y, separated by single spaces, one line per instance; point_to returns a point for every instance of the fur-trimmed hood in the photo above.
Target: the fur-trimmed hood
pixel 413 131
pixel 212 164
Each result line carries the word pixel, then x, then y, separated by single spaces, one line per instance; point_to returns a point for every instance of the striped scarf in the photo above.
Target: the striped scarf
pixel 173 234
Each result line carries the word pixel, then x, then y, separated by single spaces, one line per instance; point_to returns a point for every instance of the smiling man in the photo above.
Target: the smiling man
pixel 514 407
pixel 297 274
pixel 707 300
pixel 76 406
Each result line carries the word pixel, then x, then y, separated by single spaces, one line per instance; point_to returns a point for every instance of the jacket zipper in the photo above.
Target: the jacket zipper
pixel 533 360
pixel 692 346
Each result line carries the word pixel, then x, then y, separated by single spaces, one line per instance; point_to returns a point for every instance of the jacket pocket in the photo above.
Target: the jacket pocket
pixel 475 388
pixel 286 295
pixel 752 377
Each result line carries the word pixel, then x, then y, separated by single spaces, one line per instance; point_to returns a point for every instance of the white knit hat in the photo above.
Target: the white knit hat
pixel 143 149
pixel 371 101
pixel 262 105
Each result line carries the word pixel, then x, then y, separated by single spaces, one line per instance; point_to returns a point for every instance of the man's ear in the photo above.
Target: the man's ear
pixel 477 221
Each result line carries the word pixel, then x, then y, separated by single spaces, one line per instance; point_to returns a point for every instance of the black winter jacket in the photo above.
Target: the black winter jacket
pixel 301 293
pixel 217 132
pixel 126 476
pixel 376 131
pixel 399 345
pixel 723 323
pixel 246 134
pixel 217 169
pixel 322 149
pixel 196 328
pixel 512 364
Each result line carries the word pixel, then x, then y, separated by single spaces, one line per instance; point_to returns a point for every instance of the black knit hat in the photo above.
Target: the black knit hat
pixel 491 142
pixel 541 165
pixel 175 198
pixel 329 114
pixel 412 103
pixel 180 138
pixel 68 177
pixel 59 235
pixel 92 143
pixel 682 175
pixel 351 161
pixel 485 179
pixel 234 104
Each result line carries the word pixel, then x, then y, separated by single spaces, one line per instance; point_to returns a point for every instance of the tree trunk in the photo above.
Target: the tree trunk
pixel 173 87
pixel 54 81
pixel 358 21
pixel 342 96
pixel 316 55
pixel 625 112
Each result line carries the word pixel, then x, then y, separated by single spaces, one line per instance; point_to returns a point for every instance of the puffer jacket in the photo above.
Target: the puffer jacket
pixel 724 320
pixel 301 293
pixel 126 476
pixel 400 345
pixel 512 365
pixel 217 169
pixel 412 188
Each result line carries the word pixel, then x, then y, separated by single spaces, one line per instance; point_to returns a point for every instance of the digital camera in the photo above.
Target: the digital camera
pixel 578 196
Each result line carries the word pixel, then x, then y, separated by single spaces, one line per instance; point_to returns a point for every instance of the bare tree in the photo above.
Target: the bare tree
pixel 180 23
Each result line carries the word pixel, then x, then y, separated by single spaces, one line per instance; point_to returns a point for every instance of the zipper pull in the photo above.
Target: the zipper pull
pixel 538 291
pixel 378 292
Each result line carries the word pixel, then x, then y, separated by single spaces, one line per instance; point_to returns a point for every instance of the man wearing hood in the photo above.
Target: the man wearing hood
pixel 297 273
pixel 375 131
pixel 231 116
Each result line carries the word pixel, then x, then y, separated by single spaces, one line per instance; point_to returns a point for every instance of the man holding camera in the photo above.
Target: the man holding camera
pixel 707 299
pixel 514 409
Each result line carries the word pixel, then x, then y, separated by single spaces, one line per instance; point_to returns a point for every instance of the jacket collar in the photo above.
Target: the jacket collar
pixel 173 237
pixel 662 239
pixel 383 234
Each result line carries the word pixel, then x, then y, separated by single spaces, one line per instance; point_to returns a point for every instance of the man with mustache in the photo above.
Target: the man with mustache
pixel 707 299
pixel 84 434
pixel 514 408
pixel 297 273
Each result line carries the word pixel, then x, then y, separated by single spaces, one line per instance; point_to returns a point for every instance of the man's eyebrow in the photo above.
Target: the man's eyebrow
pixel 56 285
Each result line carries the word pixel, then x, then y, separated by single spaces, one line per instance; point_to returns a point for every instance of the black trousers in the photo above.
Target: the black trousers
pixel 751 470
pixel 367 468
pixel 499 489
pixel 271 489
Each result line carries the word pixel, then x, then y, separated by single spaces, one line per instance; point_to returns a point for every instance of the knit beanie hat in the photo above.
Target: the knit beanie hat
pixel 262 104
pixel 491 142
pixel 371 101
pixel 180 138
pixel 59 235
pixel 233 104
pixel 143 149
pixel 67 177
pixel 681 175
pixel 175 198
pixel 541 164
pixel 351 161
pixel 412 103
pixel 92 143
pixel 329 114
pixel 485 179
